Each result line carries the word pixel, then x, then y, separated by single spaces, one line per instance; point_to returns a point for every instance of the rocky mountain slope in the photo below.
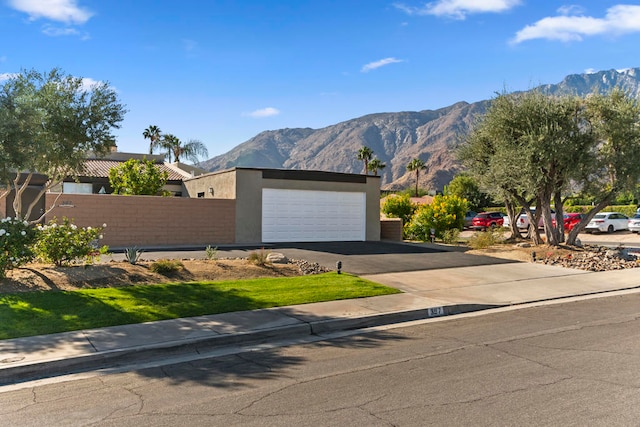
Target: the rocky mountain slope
pixel 395 138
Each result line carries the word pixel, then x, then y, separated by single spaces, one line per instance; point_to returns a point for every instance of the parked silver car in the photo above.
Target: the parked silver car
pixel 634 223
pixel 608 222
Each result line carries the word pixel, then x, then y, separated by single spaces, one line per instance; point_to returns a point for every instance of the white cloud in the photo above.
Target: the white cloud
pixel 377 64
pixel 459 9
pixel 263 112
pixel 50 30
pixel 590 71
pixel 66 11
pixel 619 19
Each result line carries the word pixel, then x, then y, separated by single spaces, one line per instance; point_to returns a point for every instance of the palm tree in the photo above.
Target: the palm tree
pixel 416 165
pixel 190 150
pixel 375 165
pixel 365 154
pixel 154 135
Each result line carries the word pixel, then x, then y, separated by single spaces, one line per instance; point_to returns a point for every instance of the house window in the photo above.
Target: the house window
pixel 200 195
pixel 77 188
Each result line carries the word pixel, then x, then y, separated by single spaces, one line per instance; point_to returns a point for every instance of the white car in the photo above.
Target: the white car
pixel 634 223
pixel 608 222
pixel 523 220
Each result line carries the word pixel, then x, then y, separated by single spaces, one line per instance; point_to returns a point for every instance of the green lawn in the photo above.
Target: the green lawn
pixel 46 312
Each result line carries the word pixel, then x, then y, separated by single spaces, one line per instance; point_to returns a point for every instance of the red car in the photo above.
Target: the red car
pixel 485 220
pixel 570 220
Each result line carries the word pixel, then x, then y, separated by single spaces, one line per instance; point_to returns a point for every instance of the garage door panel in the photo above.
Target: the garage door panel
pixel 305 216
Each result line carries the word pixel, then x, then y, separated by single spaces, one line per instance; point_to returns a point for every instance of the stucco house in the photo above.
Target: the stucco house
pixel 234 206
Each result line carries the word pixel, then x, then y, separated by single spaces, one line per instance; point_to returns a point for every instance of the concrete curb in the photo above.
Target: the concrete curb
pixel 28 371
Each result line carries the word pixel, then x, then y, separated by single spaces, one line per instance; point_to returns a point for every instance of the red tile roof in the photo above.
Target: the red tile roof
pixel 99 168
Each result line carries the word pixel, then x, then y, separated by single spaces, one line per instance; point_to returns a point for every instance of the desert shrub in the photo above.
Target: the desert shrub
pixel 259 257
pixel 132 255
pixel 399 207
pixel 64 243
pixel 485 239
pixel 212 253
pixel 444 213
pixel 166 267
pixel 16 239
pixel 451 236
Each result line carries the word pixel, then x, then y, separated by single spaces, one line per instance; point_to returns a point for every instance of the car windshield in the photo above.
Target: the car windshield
pixel 483 215
pixel 636 216
pixel 599 216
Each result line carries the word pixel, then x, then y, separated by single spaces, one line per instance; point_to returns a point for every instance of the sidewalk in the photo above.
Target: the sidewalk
pixel 437 292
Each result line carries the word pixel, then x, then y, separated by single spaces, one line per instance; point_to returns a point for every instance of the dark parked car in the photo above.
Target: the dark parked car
pixel 468 217
pixel 485 220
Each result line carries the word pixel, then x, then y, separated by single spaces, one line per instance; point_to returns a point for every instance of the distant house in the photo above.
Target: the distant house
pixel 94 178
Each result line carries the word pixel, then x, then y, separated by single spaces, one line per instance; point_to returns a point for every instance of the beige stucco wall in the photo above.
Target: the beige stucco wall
pixel 222 183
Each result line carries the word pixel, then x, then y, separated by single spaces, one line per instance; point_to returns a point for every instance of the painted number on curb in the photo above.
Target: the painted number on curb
pixel 436 311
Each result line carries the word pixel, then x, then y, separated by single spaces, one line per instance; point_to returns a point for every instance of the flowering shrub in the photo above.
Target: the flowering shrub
pixel 63 243
pixel 444 213
pixel 16 238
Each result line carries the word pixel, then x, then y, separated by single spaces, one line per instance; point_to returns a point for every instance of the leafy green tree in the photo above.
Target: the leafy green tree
pixel 396 206
pixel 416 165
pixel 613 162
pixel 444 213
pixel 154 135
pixel 375 165
pixel 48 124
pixel 365 154
pixel 466 187
pixel 191 150
pixel 137 177
pixel 528 147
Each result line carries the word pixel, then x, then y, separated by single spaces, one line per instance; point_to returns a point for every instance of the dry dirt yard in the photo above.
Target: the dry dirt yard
pixel 45 277
pixel 34 277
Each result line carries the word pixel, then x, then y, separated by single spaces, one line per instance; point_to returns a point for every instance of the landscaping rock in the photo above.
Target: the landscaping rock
pixel 307 267
pixel 277 258
pixel 595 258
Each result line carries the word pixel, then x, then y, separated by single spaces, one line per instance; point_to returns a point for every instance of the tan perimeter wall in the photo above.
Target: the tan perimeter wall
pixel 3 207
pixel 146 221
pixel 391 229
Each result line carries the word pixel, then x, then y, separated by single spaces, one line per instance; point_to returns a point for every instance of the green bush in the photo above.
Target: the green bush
pixel 444 213
pixel 399 207
pixel 166 267
pixel 16 238
pixel 64 243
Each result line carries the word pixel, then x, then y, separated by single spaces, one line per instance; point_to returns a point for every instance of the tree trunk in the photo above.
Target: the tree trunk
pixel 573 234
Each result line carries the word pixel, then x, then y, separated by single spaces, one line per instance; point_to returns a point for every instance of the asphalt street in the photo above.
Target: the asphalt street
pixel 574 363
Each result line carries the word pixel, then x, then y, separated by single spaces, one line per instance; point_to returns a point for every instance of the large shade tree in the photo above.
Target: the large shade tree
pixel 49 123
pixel 537 149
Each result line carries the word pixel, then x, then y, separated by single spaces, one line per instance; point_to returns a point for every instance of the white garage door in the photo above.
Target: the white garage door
pixel 312 216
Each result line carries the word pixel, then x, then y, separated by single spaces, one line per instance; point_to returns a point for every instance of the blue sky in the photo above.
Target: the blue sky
pixel 222 71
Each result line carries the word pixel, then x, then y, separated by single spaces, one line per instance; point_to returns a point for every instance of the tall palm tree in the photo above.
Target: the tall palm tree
pixel 154 135
pixel 191 150
pixel 375 165
pixel 365 154
pixel 416 165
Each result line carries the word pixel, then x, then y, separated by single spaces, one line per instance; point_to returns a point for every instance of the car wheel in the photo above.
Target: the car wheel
pixel 610 229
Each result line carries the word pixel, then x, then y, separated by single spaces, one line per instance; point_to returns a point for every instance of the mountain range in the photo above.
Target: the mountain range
pixel 395 138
